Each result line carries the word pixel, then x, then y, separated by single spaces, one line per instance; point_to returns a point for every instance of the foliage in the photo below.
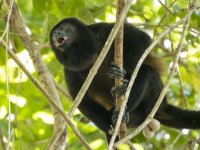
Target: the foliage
pixel 32 121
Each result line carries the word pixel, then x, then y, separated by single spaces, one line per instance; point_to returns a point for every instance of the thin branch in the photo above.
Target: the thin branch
pixel 56 135
pixel 3 146
pixel 172 49
pixel 166 8
pixel 118 59
pixel 10 139
pixel 6 31
pixel 62 90
pixel 19 34
pixel 181 88
pixel 10 7
pixel 130 144
pixel 161 20
pixel 47 95
pixel 185 19
pixel 175 140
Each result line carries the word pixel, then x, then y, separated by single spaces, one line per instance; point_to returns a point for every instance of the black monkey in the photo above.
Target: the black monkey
pixel 77 46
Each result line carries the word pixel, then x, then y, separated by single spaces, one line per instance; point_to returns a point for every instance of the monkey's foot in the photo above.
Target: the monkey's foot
pixel 114 71
pixel 125 117
pixel 119 90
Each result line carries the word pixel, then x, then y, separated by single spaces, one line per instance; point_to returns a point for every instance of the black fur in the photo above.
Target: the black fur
pixel 79 53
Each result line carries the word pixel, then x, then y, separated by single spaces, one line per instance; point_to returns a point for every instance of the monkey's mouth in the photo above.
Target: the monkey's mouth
pixel 60 41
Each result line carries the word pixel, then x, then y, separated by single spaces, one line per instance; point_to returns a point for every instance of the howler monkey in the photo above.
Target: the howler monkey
pixel 77 46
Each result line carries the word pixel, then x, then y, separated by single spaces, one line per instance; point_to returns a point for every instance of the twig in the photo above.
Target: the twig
pixel 185 19
pixel 118 59
pixel 131 145
pixel 1 141
pixel 19 34
pixel 56 135
pixel 10 139
pixel 172 49
pixel 155 30
pixel 62 90
pixel 166 8
pixel 10 8
pixel 10 5
pixel 181 88
pixel 175 140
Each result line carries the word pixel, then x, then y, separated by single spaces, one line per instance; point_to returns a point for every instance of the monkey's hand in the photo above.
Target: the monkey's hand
pixel 125 117
pixel 114 71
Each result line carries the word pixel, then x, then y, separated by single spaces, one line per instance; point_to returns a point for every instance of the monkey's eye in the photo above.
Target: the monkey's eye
pixel 55 32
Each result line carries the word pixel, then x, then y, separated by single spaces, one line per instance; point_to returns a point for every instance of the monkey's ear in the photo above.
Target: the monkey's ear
pixel 151 128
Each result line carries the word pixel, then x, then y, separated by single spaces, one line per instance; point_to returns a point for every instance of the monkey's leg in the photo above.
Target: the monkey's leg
pixel 97 114
pixel 139 90
pixel 142 88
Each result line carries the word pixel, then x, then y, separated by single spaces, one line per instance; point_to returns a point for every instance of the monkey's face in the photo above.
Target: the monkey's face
pixel 73 44
pixel 63 36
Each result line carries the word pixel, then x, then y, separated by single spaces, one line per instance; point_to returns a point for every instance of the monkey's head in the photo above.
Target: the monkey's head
pixel 63 35
pixel 73 44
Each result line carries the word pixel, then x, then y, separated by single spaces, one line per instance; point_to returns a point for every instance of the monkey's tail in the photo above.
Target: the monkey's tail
pixel 179 118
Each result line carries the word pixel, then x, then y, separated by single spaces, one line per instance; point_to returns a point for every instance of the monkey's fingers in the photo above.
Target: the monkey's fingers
pixel 114 71
pixel 118 90
pixel 125 117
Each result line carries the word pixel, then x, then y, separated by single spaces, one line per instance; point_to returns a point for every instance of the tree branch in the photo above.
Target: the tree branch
pixel 17 24
pixel 47 95
pixel 62 90
pixel 118 59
